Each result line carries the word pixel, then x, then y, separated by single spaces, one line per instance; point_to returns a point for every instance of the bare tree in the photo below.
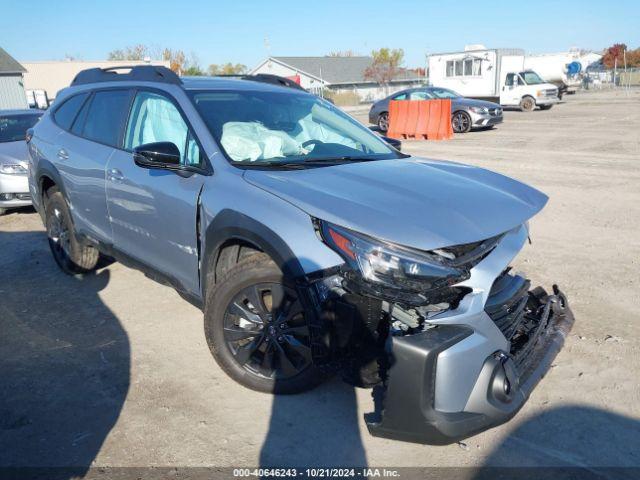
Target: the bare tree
pixel 132 52
pixel 176 58
pixel 342 53
pixel 385 66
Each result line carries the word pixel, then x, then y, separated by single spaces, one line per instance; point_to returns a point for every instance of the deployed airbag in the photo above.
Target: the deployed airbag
pixel 253 141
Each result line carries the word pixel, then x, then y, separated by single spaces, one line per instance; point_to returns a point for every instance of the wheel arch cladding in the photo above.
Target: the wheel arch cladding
pixel 48 176
pixel 231 226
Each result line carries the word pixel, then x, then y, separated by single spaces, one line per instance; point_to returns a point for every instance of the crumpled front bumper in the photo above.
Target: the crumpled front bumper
pixel 405 404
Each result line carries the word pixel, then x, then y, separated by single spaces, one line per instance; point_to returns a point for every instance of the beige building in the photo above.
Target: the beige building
pixel 53 76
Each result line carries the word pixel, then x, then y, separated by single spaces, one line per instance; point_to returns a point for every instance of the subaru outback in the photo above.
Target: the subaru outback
pixel 312 246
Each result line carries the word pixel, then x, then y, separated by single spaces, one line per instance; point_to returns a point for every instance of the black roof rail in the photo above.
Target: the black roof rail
pixel 143 73
pixel 267 78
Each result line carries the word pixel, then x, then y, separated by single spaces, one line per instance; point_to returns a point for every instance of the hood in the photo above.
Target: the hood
pixel 419 203
pixel 471 102
pixel 12 152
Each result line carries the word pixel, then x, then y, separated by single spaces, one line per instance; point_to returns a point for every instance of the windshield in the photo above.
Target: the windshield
pixel 531 78
pixel 276 128
pixel 13 128
pixel 444 93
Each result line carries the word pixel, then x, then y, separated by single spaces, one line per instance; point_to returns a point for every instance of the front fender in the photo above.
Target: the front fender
pixel 257 217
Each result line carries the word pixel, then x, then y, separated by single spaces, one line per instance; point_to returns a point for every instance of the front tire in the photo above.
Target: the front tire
pixel 527 104
pixel 71 256
pixel 383 121
pixel 257 330
pixel 461 122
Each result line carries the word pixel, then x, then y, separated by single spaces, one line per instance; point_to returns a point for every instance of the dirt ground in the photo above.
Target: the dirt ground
pixel 113 369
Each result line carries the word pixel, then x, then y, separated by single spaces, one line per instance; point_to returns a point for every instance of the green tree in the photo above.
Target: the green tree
pixel 227 69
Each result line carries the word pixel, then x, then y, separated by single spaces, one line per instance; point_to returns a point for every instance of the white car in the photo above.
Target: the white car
pixel 14 186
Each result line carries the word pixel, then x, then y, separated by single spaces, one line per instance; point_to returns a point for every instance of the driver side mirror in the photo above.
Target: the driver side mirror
pixel 394 142
pixel 163 155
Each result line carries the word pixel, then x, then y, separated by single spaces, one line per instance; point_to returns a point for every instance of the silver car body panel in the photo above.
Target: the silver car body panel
pixel 419 203
pixel 14 153
pixel 459 366
pixel 81 164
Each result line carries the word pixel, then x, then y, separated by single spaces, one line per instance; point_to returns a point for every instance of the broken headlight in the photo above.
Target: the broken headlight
pixel 391 265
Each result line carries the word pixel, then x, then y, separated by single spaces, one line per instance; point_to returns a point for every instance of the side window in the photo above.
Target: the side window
pixel 402 96
pixel 419 95
pixel 106 115
pixel 449 68
pixel 458 66
pixel 154 118
pixel 509 80
pixel 65 114
pixel 468 67
pixel 81 118
pixel 477 67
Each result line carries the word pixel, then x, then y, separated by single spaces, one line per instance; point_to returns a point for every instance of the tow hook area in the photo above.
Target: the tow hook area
pixel 504 380
pixel 404 403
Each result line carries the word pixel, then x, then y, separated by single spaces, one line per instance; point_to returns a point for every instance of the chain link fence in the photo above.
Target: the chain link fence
pixel 619 78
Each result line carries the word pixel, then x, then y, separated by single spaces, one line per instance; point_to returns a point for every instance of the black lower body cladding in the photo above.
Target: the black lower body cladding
pixel 405 403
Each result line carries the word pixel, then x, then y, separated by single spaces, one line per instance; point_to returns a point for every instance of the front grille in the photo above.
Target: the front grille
pixel 552 92
pixel 519 315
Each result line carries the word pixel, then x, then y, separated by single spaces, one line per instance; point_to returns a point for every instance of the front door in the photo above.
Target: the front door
pixel 153 212
pixel 511 90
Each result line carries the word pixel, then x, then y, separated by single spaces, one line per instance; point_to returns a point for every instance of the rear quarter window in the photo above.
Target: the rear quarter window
pixel 66 113
pixel 106 116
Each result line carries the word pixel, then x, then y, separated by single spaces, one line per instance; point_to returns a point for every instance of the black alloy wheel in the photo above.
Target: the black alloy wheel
pixel 266 332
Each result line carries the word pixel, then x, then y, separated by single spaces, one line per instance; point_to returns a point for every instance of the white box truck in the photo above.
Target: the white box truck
pixel 497 75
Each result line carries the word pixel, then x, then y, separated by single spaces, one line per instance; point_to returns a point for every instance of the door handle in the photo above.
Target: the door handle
pixel 62 154
pixel 115 175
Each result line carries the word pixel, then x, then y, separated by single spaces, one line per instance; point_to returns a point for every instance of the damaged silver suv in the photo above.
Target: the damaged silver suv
pixel 312 246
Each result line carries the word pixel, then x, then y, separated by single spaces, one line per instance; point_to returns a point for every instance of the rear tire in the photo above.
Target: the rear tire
pixel 257 329
pixel 527 104
pixel 461 122
pixel 71 256
pixel 383 121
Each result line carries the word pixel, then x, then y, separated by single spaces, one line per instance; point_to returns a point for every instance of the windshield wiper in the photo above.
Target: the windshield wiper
pixel 336 160
pixel 303 163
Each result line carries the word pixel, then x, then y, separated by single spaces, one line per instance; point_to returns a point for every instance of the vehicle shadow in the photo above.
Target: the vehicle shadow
pixel 572 441
pixel 65 358
pixel 330 413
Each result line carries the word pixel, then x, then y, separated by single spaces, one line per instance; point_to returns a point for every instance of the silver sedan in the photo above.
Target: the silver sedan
pixel 14 188
pixel 466 113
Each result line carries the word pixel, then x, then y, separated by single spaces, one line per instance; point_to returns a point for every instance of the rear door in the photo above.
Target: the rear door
pixel 153 212
pixel 82 156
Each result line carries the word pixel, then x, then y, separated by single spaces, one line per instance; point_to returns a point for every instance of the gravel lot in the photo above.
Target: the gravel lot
pixel 113 369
